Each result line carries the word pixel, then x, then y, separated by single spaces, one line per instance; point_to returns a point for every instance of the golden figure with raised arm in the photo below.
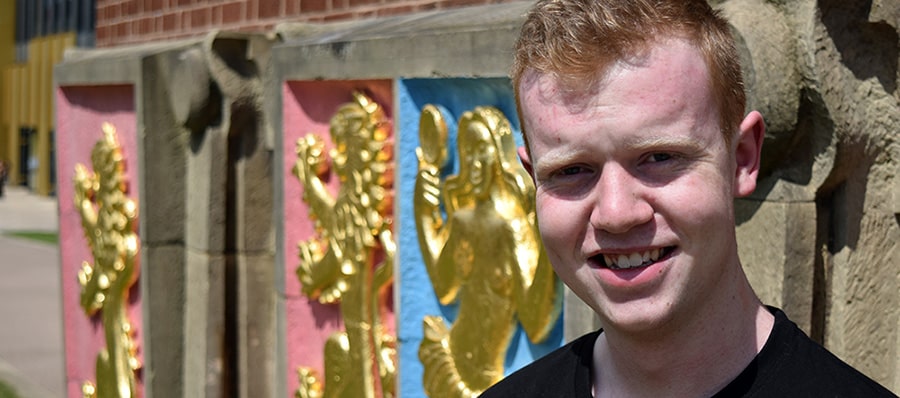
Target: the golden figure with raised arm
pixel 351 259
pixel 486 253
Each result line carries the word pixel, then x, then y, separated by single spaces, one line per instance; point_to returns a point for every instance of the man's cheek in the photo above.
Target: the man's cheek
pixel 554 239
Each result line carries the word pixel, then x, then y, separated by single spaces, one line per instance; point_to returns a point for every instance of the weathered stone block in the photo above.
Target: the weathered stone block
pixel 777 247
pixel 163 285
pixel 205 328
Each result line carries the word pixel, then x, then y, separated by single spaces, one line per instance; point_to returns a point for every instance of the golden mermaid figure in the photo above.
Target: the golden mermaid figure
pixel 486 253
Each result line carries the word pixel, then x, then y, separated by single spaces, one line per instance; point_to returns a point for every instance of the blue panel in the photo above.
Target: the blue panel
pixel 416 296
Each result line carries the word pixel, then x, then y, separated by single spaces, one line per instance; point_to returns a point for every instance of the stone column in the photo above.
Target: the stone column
pixel 204 172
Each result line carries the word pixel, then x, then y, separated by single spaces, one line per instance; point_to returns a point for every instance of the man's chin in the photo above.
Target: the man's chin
pixel 635 319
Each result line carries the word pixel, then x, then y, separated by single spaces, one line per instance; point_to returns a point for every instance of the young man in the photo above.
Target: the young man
pixel 633 114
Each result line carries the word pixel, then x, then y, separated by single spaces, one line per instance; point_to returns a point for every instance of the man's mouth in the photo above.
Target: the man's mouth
pixel 633 260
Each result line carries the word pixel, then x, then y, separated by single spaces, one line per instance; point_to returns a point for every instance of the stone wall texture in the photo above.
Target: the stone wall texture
pixel 819 235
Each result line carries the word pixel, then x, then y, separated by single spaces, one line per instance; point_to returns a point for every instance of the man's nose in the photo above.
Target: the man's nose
pixel 619 203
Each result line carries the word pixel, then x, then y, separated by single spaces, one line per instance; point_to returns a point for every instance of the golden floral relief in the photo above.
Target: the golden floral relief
pixel 485 253
pixel 350 260
pixel 108 218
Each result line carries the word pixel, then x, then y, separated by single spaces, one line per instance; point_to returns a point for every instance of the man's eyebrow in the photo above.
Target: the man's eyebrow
pixel 553 159
pixel 662 141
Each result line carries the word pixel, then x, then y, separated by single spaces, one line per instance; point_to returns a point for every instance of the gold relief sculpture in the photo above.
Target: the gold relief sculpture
pixel 486 254
pixel 309 384
pixel 351 259
pixel 109 218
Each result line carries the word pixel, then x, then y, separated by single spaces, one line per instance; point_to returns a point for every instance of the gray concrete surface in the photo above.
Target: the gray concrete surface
pixel 31 325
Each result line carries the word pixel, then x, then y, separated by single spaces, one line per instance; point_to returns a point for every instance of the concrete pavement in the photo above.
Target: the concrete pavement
pixel 31 325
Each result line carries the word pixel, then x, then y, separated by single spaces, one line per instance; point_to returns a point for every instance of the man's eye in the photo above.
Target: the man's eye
pixel 571 170
pixel 659 157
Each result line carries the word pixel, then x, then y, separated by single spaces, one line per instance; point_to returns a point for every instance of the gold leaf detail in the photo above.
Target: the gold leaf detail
pixel 108 218
pixel 350 260
pixel 479 240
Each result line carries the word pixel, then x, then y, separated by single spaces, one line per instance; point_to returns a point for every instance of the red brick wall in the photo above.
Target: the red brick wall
pixel 140 21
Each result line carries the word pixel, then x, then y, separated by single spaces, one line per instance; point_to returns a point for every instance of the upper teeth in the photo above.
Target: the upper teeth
pixel 631 260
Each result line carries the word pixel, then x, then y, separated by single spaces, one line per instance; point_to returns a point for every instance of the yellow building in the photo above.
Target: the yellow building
pixel 7 57
pixel 33 38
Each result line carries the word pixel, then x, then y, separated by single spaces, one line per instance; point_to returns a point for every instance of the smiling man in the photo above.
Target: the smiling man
pixel 638 142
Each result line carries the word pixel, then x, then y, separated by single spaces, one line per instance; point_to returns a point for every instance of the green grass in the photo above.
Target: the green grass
pixel 46 237
pixel 6 391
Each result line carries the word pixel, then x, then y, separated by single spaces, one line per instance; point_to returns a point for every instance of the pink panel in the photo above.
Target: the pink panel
pixel 81 111
pixel 308 107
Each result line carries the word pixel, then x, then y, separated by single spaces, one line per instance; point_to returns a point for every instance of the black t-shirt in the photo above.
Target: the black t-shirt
pixel 789 365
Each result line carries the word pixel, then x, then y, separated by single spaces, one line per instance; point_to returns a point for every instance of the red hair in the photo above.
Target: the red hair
pixel 577 40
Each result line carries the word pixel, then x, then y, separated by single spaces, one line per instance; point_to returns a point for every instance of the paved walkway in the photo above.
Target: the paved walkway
pixel 31 325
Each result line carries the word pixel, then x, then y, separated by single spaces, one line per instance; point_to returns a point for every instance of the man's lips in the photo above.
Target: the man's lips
pixel 631 260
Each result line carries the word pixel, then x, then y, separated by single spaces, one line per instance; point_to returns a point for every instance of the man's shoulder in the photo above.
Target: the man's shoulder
pixel 792 364
pixel 562 372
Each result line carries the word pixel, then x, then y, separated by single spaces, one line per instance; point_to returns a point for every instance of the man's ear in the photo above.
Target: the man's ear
pixel 747 153
pixel 526 160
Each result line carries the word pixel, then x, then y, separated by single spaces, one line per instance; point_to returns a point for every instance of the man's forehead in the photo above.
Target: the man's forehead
pixel 674 65
pixel 545 89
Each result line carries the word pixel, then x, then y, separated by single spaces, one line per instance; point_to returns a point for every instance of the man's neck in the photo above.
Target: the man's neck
pixel 698 356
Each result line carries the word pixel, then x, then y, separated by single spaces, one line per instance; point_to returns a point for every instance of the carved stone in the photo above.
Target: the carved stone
pixel 205 169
